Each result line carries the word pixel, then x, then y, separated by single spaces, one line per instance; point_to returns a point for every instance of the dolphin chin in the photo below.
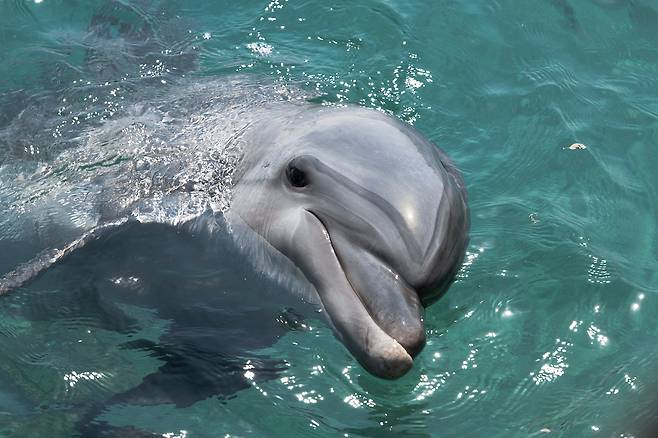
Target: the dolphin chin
pixel 374 312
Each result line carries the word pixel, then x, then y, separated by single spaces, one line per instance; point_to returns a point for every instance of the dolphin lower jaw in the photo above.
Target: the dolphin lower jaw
pixel 389 300
pixel 375 314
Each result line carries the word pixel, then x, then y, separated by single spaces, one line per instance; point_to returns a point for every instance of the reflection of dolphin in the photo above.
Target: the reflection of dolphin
pixel 358 206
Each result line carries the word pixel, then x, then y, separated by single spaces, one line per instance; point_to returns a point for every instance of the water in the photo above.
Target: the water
pixel 550 328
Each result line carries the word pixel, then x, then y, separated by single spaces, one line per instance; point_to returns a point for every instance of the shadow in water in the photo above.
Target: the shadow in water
pixel 219 313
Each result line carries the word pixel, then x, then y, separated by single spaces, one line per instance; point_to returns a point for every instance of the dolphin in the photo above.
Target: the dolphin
pixel 346 208
pixel 372 214
pixel 349 204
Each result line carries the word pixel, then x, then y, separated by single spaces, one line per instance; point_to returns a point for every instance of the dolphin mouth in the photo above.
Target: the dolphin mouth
pixel 376 314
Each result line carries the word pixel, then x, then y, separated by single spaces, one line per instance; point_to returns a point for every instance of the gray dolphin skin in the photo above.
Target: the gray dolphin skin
pixel 358 206
pixel 372 213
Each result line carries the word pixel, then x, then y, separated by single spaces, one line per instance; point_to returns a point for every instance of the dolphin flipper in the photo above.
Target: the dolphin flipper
pixel 29 271
pixel 184 379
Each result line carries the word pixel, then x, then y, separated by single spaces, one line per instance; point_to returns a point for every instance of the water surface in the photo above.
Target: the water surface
pixel 550 328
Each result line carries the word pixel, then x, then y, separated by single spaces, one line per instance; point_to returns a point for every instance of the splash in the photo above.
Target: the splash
pixel 160 157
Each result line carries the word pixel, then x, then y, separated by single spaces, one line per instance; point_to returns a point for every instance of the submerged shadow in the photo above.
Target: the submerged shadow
pixel 219 314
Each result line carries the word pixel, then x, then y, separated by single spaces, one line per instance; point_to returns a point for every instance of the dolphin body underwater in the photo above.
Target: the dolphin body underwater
pixel 349 205
pixel 345 208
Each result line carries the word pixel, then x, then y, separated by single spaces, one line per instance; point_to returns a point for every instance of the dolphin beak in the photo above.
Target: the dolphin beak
pixel 374 313
pixel 391 302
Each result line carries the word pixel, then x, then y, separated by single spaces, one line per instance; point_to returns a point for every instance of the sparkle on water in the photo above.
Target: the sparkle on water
pixel 550 109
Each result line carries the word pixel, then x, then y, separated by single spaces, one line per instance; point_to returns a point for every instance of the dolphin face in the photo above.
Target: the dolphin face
pixel 373 215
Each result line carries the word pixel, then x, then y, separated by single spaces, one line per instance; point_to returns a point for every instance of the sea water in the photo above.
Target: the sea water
pixel 550 108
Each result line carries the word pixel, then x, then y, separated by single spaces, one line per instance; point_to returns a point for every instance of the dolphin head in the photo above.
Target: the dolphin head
pixel 372 214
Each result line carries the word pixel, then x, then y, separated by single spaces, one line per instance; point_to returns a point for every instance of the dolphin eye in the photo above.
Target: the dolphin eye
pixel 296 176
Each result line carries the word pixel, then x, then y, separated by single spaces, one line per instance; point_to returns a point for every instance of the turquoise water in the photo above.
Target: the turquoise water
pixel 550 328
